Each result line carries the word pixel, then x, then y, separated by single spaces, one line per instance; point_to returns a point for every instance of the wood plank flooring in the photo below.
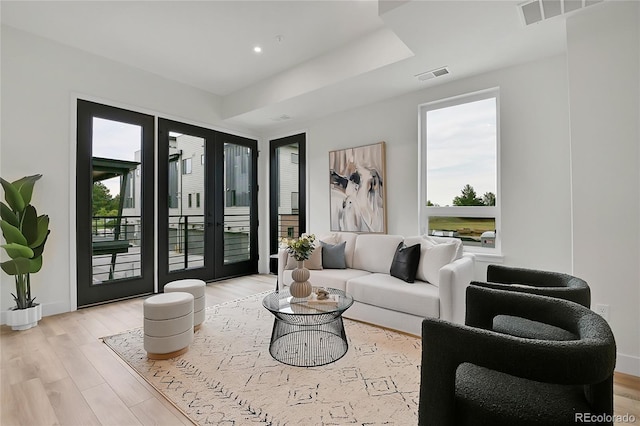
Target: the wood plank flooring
pixel 60 373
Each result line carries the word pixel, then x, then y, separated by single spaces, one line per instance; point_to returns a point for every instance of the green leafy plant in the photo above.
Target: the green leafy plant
pixel 25 234
pixel 300 248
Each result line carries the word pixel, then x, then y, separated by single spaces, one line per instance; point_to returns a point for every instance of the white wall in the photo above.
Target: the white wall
pixel 603 67
pixel 534 149
pixel 39 81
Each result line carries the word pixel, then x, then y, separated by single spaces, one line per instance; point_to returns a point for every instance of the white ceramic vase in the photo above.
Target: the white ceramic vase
pixel 24 319
pixel 300 287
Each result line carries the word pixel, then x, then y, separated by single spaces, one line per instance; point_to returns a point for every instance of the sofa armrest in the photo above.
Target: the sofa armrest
pixel 454 280
pixel 283 256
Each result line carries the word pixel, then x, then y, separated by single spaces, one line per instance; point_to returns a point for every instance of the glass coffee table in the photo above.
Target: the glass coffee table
pixel 307 332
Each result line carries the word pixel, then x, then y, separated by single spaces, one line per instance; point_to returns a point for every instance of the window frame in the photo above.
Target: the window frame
pixel 459 211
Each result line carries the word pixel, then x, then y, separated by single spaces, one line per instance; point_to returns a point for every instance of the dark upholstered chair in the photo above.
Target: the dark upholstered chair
pixel 552 284
pixel 471 375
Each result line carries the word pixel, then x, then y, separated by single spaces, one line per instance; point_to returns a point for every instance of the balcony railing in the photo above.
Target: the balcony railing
pixel 115 248
pixel 117 251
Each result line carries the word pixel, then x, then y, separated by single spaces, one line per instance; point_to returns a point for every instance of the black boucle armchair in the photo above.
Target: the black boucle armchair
pixel 472 375
pixel 552 284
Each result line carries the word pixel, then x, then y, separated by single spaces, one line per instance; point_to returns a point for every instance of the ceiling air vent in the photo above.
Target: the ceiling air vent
pixel 534 11
pixel 428 75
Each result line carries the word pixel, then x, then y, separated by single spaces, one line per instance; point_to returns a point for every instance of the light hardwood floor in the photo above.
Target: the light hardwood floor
pixel 60 373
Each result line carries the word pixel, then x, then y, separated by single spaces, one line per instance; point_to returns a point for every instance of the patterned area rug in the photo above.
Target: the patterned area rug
pixel 228 376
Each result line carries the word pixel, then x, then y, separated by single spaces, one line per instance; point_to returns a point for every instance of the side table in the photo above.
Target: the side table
pixel 307 334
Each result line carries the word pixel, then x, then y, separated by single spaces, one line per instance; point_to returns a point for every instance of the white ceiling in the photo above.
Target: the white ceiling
pixel 333 55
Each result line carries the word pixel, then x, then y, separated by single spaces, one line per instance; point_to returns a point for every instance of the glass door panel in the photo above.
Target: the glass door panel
pixel 237 206
pixel 186 202
pixel 236 213
pixel 116 221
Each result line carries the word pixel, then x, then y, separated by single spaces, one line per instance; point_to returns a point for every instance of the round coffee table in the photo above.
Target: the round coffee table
pixel 307 333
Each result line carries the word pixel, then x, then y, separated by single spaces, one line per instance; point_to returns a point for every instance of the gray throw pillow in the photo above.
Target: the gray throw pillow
pixel 333 255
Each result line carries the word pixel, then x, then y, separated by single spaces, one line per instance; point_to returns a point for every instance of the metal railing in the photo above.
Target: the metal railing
pixel 116 250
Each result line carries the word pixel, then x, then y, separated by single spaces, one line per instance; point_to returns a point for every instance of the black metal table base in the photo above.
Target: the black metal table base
pixel 308 345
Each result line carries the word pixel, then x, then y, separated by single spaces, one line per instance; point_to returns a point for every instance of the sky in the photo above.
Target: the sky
pixel 461 150
pixel 115 140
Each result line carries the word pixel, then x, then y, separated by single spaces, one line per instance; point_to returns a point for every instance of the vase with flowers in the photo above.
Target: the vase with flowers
pixel 301 249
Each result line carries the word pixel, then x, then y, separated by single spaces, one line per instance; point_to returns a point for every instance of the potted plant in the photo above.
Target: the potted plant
pixel 25 234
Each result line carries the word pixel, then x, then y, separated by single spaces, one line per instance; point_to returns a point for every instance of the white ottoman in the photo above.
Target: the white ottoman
pixel 196 288
pixel 168 324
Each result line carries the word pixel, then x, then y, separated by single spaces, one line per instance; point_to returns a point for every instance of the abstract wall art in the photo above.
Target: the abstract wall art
pixel 356 181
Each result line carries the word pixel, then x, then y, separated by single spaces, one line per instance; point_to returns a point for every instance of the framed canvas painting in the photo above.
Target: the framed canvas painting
pixel 356 181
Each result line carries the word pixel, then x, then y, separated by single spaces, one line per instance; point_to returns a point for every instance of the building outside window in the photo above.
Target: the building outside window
pixel 459 190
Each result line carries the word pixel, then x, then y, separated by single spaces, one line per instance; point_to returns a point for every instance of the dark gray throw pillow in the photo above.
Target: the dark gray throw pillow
pixel 333 255
pixel 405 262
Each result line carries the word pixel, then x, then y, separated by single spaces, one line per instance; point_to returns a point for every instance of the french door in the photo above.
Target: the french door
pixel 287 209
pixel 207 203
pixel 115 202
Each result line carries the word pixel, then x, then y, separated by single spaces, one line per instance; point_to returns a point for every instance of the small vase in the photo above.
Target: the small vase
pixel 300 287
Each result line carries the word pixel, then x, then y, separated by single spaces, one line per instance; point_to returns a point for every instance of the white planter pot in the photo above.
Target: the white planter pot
pixel 24 319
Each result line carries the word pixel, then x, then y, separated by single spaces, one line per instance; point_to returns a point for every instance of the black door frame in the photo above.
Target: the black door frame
pixel 214 268
pixel 87 292
pixel 274 188
pixel 249 266
pixel 207 272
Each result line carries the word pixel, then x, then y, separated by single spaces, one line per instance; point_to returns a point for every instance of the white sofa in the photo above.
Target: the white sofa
pixel 444 272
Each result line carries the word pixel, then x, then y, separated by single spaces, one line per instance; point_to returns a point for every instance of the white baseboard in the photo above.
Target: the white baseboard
pixel 628 364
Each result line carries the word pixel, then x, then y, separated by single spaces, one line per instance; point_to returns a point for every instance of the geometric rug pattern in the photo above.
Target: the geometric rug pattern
pixel 229 378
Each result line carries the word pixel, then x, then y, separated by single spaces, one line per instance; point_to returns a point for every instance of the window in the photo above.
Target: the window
pixel 189 200
pixel 197 199
pixel 186 166
pixel 294 158
pixel 459 140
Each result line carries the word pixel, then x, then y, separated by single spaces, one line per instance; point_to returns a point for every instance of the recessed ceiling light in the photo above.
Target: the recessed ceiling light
pixel 257 49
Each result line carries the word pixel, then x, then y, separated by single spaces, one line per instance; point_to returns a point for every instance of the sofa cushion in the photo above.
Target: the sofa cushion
pixel 332 278
pixel 333 255
pixel 444 240
pixel 314 261
pixel 433 256
pixel 385 291
pixel 350 244
pixel 332 238
pixel 405 262
pixel 374 252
